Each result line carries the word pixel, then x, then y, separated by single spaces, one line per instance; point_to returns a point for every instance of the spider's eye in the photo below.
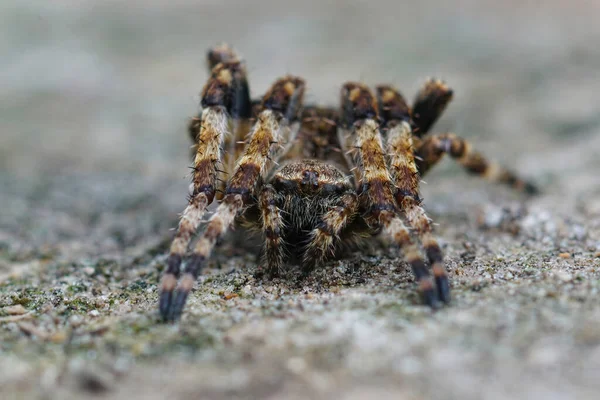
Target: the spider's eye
pixel 310 178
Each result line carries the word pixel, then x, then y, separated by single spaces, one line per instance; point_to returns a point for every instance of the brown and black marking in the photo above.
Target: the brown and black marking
pixel 267 138
pixel 221 53
pixel 360 114
pixel 429 104
pixel 235 97
pixel 346 174
pixel 392 105
pixel 432 148
pixel 318 202
pixel 273 228
pixel 317 138
pixel 404 174
pixel 219 100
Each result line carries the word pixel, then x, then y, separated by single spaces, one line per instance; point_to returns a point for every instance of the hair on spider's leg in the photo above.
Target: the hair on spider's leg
pixel 324 237
pixel 360 115
pixel 281 104
pixel 272 224
pixel 218 98
pixel 430 102
pixel 406 179
pixel 433 148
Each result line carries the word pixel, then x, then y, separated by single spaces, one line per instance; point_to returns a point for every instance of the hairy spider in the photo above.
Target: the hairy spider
pixel 315 178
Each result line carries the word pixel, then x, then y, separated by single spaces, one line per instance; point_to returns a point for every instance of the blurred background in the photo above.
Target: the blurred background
pixel 94 154
pixel 95 95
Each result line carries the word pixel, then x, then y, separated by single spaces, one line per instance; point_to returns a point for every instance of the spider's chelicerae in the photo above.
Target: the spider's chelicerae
pixel 315 178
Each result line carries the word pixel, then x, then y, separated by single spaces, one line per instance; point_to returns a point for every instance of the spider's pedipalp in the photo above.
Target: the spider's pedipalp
pixel 324 237
pixel 406 180
pixel 271 130
pixel 272 225
pixel 359 110
pixel 432 148
pixel 430 102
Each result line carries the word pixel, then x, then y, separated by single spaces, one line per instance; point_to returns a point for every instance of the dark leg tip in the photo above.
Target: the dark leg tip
pixel 443 287
pixel 307 269
pixel 259 273
pixel 176 309
pixel 165 304
pixel 531 189
pixel 430 298
pixel 272 273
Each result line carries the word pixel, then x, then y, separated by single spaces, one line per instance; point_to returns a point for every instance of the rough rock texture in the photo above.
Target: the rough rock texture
pixel 93 157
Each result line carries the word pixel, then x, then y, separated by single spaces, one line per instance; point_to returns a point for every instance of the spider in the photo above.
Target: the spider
pixel 314 178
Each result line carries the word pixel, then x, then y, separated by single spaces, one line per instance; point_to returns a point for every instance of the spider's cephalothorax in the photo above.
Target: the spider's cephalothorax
pixel 314 178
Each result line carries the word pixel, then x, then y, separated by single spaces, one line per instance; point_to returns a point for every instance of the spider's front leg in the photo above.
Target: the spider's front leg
pixel 240 107
pixel 221 96
pixel 359 116
pixel 401 161
pixel 269 135
pixel 222 53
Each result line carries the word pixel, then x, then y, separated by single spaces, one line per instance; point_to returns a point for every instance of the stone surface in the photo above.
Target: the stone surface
pixel 93 164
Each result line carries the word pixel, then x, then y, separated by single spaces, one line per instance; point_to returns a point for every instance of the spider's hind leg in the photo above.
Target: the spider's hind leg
pixel 430 102
pixel 432 148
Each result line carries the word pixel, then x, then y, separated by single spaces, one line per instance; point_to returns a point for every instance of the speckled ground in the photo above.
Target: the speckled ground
pixel 93 157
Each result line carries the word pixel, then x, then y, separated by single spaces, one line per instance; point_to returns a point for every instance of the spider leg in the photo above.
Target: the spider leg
pixel 240 111
pixel 220 53
pixel 218 98
pixel 432 148
pixel 430 102
pixel 359 115
pixel 272 223
pixel 269 134
pixel 324 236
pixel 406 179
